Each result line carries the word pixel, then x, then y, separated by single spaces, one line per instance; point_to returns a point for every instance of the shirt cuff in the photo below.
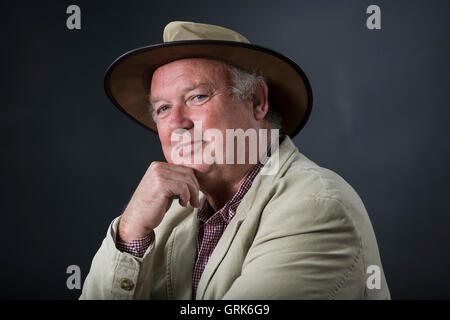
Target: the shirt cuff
pixel 137 247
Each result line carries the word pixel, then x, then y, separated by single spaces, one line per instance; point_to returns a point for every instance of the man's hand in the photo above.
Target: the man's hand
pixel 153 197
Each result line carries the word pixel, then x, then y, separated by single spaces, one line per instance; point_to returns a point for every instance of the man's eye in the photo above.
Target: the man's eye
pixel 200 97
pixel 162 109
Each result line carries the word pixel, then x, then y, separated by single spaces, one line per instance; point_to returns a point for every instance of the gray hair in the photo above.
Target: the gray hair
pixel 243 86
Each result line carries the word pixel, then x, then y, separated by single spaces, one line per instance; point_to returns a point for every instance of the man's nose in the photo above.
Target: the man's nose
pixel 179 118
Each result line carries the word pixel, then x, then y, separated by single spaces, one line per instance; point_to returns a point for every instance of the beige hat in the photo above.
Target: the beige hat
pixel 127 80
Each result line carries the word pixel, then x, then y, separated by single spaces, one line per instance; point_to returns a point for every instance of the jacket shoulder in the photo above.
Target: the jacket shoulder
pixel 312 180
pixel 307 199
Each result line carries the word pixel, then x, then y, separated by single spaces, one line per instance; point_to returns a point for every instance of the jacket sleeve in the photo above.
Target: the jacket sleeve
pixel 309 249
pixel 118 275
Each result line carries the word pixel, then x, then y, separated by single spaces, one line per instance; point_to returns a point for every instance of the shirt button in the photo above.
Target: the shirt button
pixel 126 284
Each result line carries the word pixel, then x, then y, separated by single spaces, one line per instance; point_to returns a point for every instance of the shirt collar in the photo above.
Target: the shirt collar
pixel 228 211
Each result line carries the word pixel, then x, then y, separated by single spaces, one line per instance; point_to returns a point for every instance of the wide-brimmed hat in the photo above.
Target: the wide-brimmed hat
pixel 127 80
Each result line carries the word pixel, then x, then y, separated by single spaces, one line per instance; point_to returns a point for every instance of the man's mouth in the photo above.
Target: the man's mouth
pixel 188 147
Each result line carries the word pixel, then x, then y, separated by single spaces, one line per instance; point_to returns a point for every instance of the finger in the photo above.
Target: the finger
pixel 184 170
pixel 181 177
pixel 192 193
pixel 182 190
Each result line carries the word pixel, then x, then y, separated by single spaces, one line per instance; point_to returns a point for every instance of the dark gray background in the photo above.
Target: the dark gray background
pixel 70 160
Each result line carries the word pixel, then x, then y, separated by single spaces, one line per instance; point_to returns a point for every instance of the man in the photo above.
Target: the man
pixel 296 231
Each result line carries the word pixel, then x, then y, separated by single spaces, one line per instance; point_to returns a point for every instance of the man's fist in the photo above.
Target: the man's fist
pixel 153 197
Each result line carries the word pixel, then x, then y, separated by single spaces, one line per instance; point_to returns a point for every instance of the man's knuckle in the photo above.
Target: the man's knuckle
pixel 156 165
pixel 157 179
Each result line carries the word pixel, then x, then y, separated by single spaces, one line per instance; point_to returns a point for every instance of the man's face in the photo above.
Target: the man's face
pixel 197 90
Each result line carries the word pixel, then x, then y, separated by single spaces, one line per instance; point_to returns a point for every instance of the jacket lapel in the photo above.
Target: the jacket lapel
pixel 220 251
pixel 223 246
pixel 181 258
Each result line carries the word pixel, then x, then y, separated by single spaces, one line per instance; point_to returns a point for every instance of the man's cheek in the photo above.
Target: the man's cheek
pixel 167 150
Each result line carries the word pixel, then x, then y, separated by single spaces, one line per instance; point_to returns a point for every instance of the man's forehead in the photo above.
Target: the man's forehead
pixel 203 85
pixel 192 72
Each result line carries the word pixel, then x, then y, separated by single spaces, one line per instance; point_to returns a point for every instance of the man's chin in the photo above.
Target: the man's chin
pixel 201 168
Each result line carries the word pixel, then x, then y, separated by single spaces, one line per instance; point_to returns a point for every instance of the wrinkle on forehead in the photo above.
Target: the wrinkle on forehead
pixel 192 71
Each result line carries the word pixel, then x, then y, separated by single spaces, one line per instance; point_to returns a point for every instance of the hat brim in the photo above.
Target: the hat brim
pixel 127 80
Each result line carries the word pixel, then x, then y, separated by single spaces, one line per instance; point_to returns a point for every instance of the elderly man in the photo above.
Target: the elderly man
pixel 298 231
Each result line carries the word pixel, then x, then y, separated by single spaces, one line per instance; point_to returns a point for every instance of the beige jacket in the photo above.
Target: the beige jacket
pixel 302 233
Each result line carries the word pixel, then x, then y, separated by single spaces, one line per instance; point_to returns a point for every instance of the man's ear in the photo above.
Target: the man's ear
pixel 261 101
